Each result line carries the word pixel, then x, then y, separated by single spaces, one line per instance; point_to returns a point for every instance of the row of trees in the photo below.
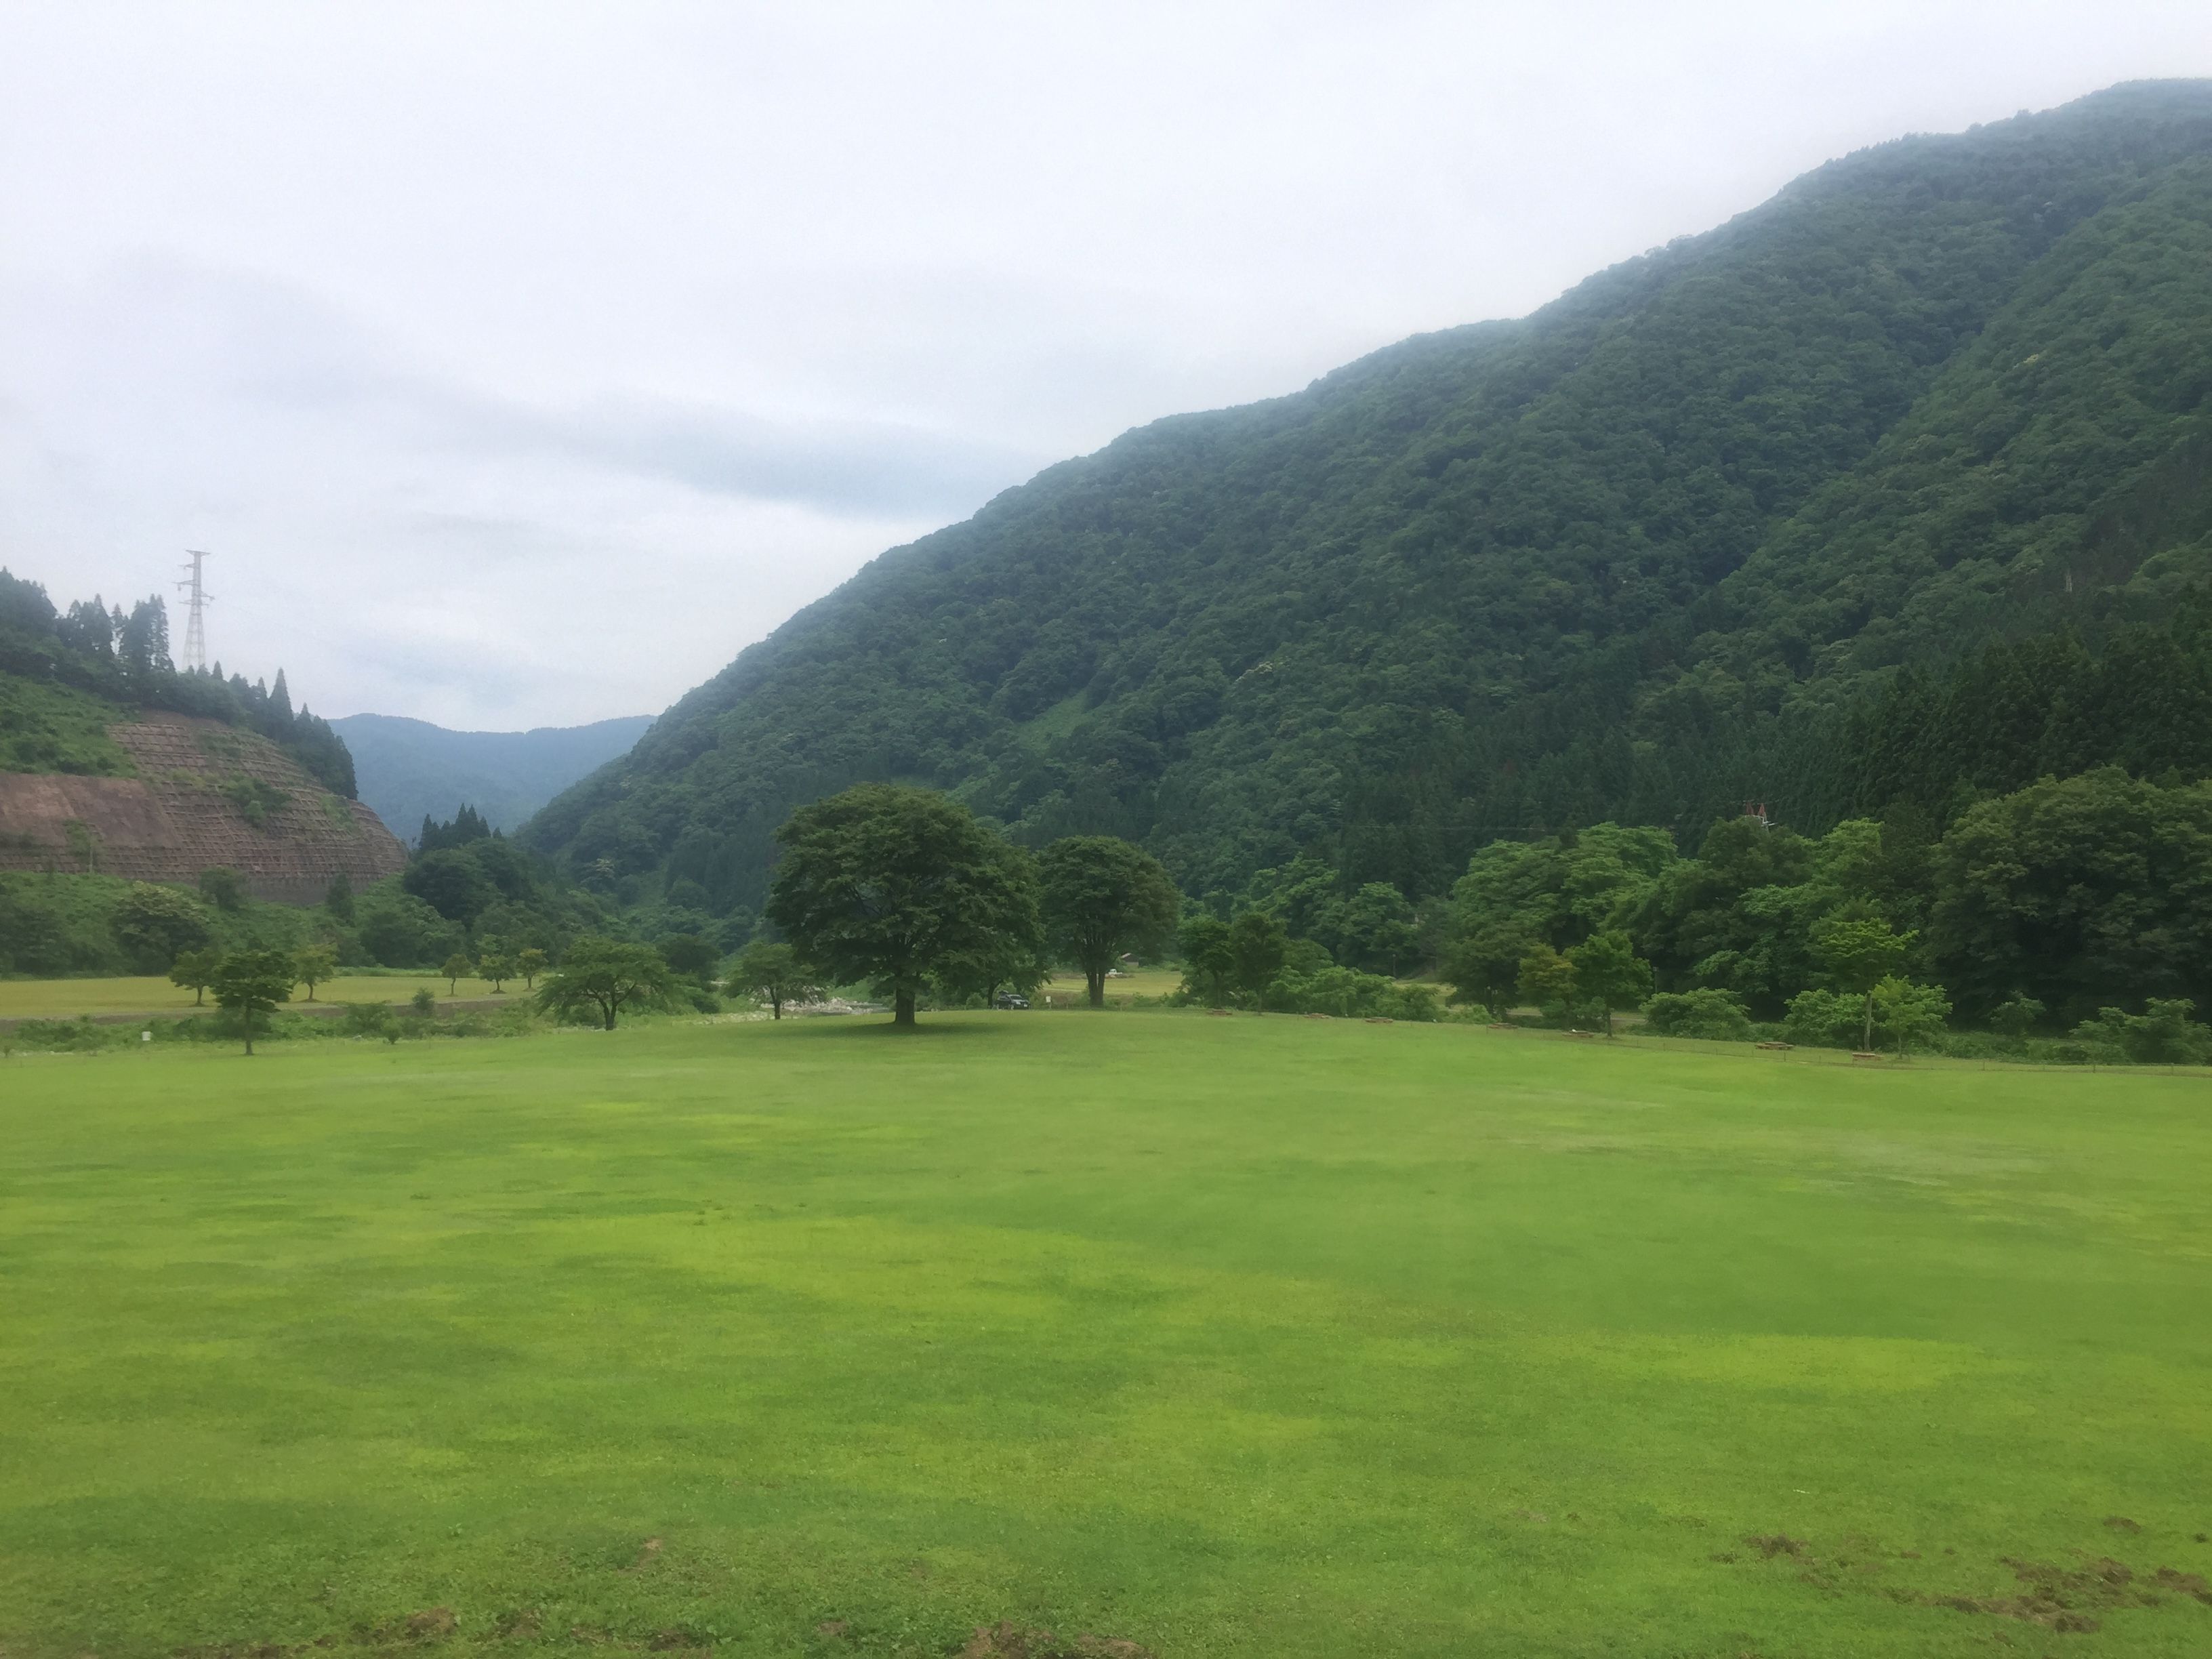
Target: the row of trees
pixel 2033 913
pixel 904 889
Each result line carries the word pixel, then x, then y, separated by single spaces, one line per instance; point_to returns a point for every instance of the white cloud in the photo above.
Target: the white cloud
pixel 522 362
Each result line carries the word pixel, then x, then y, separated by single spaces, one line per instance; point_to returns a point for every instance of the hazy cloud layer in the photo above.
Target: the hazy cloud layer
pixel 520 363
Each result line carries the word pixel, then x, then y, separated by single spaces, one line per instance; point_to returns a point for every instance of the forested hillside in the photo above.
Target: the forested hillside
pixel 67 675
pixel 1717 524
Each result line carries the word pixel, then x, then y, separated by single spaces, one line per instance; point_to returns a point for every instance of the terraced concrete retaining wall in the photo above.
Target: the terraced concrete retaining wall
pixel 200 786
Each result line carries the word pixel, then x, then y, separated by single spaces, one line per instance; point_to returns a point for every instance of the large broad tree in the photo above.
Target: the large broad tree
pixel 251 983
pixel 604 976
pixel 897 886
pixel 1103 897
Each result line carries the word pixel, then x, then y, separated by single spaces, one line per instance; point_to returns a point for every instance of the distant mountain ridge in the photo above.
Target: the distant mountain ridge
pixel 1630 557
pixel 410 769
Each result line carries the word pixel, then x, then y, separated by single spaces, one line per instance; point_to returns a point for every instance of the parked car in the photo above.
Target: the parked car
pixel 1010 999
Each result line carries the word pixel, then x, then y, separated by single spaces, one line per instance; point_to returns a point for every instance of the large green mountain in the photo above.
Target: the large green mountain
pixel 1641 555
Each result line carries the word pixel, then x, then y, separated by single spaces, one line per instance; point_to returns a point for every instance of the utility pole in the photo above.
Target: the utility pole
pixel 196 660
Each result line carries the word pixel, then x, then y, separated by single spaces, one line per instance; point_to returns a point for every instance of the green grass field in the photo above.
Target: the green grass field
pixel 50 999
pixel 1260 1337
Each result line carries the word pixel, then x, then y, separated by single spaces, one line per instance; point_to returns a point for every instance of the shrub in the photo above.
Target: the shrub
pixel 1348 994
pixel 2166 1033
pixel 1717 1015
pixel 80 1035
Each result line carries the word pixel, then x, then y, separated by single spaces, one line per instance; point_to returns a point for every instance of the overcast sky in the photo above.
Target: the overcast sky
pixel 519 363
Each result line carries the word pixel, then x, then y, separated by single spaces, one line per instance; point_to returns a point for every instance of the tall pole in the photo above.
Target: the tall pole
pixel 196 623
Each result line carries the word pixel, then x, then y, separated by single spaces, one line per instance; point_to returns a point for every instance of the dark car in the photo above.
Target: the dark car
pixel 1009 1000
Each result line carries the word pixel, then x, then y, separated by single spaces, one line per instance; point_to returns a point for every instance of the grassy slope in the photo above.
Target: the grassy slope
pixel 1229 1336
pixel 55 728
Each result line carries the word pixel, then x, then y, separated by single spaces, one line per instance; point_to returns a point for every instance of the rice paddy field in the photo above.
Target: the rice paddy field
pixel 1163 1334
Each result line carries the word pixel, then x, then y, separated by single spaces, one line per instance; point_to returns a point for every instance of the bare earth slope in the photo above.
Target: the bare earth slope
pixel 205 794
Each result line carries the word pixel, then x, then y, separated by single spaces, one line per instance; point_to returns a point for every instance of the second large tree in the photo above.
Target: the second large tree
pixel 1102 897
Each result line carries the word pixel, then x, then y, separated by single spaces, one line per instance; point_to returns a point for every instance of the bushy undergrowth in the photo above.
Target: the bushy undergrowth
pixel 58 925
pixel 359 1022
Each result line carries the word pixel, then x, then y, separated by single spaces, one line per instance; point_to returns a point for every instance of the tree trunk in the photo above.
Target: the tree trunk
pixel 903 1006
pixel 775 1006
pixel 1866 1039
pixel 199 996
pixel 249 1030
pixel 608 1009
pixel 1097 979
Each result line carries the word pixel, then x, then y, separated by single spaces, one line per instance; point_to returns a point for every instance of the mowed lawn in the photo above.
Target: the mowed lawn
pixel 1251 1336
pixel 51 999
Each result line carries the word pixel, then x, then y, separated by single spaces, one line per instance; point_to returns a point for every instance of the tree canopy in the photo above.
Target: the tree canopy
pixel 249 984
pixel 1103 897
pixel 895 886
pixel 604 976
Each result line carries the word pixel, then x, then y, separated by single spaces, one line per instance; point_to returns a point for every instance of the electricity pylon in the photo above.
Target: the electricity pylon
pixel 196 623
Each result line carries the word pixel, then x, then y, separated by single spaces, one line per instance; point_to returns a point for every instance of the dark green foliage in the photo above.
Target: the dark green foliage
pixel 1347 994
pixel 1859 953
pixel 772 973
pixel 1905 1014
pixel 1716 1016
pixel 1631 558
pixel 2077 893
pixel 1258 950
pixel 1208 963
pixel 452 882
pixel 1103 898
pixel 56 728
pixel 249 984
pixel 124 660
pixel 222 887
pixel 1546 978
pixel 1609 975
pixel 604 976
pixel 154 925
pixel 254 799
pixel 398 930
pixel 2166 1033
pixel 690 956
pixel 369 1020
pixel 897 886
pixel 94 924
pixel 455 969
pixel 338 899
pixel 465 826
pixel 1376 930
